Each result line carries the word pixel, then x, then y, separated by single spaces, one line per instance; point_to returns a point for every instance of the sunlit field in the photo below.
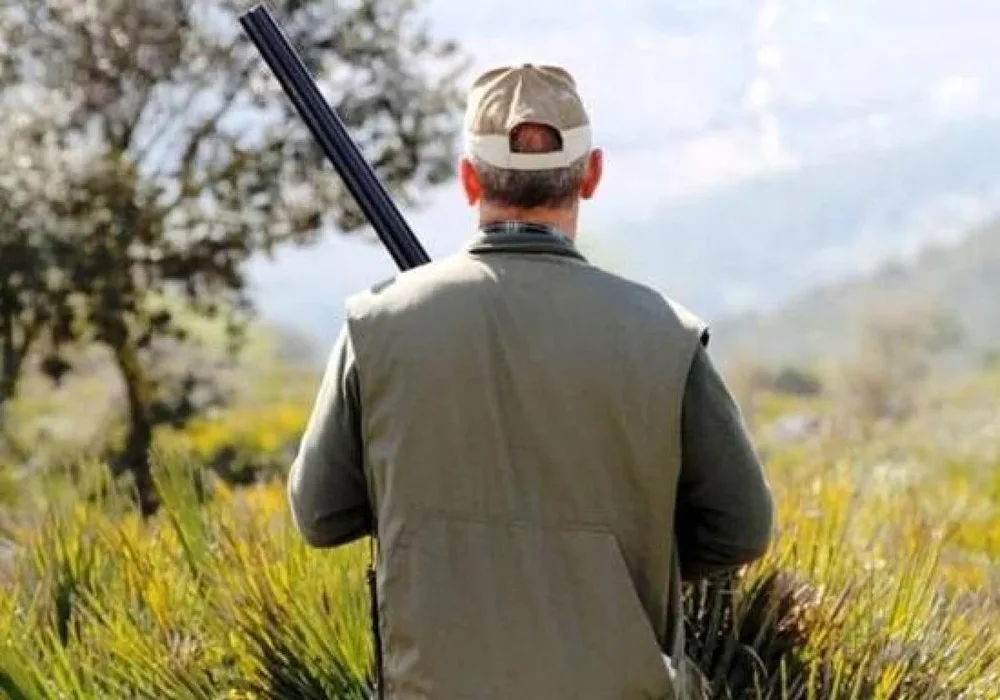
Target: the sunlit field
pixel 883 582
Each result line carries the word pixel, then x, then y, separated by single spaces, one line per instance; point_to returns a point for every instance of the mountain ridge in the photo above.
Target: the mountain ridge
pixel 956 283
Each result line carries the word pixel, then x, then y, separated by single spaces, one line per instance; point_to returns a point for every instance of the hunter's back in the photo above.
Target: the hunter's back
pixel 521 420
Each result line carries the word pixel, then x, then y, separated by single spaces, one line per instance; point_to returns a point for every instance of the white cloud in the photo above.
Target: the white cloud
pixel 770 10
pixel 713 158
pixel 769 57
pixel 823 15
pixel 957 94
pixel 877 52
pixel 760 95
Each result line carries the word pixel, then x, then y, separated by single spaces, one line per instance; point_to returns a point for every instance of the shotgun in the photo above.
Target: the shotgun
pixel 331 134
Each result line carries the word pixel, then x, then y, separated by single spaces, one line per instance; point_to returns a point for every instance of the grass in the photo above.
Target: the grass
pixel 211 600
pixel 883 582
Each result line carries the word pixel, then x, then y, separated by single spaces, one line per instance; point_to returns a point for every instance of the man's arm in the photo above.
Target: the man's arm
pixel 725 511
pixel 326 485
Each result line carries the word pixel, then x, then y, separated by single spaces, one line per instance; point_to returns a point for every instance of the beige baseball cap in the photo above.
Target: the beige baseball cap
pixel 503 98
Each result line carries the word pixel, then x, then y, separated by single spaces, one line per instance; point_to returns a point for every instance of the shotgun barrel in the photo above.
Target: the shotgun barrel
pixel 328 129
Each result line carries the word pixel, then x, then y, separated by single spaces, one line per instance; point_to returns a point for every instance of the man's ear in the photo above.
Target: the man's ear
pixel 592 175
pixel 470 181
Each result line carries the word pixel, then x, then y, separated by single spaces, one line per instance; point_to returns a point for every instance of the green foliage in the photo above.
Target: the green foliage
pixel 207 599
pixel 8 486
pixel 242 445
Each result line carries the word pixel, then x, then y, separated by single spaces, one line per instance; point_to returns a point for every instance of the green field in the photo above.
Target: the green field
pixel 883 583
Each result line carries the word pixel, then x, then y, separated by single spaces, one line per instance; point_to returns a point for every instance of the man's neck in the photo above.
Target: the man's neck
pixel 565 220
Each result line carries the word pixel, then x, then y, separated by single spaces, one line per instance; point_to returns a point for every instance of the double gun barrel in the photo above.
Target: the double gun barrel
pixel 332 136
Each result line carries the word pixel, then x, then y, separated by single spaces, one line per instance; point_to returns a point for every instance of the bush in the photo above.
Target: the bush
pixel 242 446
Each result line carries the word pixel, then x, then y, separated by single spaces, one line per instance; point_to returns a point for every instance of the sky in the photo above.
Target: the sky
pixel 688 96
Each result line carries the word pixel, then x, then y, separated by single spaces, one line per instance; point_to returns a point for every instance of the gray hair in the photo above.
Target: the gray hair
pixel 557 188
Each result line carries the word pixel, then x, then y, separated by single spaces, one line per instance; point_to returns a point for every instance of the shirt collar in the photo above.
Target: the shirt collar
pixel 523 237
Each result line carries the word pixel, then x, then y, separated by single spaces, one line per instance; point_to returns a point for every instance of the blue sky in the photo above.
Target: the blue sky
pixel 687 96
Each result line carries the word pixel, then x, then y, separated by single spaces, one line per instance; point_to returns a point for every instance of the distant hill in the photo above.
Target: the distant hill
pixel 757 244
pixel 958 282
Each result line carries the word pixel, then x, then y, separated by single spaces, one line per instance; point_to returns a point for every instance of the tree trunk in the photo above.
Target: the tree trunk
pixel 12 351
pixel 10 364
pixel 135 457
pixel 11 361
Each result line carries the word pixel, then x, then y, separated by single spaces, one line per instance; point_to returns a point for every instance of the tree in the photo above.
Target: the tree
pixel 152 155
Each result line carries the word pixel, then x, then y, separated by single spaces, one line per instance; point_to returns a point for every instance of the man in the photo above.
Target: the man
pixel 545 448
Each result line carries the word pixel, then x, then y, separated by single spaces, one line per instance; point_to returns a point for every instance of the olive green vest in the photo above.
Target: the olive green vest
pixel 521 416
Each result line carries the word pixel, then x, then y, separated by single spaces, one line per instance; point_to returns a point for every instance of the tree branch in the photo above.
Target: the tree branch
pixel 208 127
